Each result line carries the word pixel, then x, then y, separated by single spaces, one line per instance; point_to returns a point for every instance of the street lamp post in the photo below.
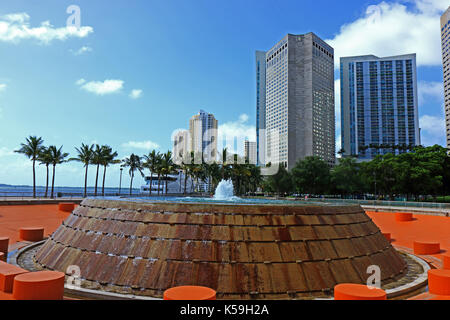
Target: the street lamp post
pixel 120 183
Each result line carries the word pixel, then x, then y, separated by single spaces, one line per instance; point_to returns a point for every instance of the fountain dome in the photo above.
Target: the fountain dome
pixel 243 251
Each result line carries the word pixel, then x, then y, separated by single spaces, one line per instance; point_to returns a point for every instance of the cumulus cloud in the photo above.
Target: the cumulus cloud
pixel 2 87
pixel 16 27
pixel 232 134
pixel 135 94
pixel 394 28
pixel 433 130
pixel 141 145
pixel 82 50
pixel 101 87
pixel 432 89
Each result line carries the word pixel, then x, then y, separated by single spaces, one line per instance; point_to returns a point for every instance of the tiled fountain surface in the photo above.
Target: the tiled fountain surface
pixel 242 251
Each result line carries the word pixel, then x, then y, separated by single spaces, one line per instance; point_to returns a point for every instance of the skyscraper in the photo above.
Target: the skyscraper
pixel 260 107
pixel 445 38
pixel 379 108
pixel 203 135
pixel 250 153
pixel 298 112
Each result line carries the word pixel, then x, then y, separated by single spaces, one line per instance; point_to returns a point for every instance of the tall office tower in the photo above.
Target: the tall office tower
pixel 260 107
pixel 250 153
pixel 379 106
pixel 299 106
pixel 203 135
pixel 445 38
pixel 181 145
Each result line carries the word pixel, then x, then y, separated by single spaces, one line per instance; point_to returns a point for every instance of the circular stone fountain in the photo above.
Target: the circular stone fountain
pixel 243 251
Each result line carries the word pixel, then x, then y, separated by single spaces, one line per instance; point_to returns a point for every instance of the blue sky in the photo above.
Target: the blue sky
pixel 137 70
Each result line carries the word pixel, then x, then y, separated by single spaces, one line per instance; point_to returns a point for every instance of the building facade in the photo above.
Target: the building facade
pixel 203 135
pixel 181 146
pixel 250 151
pixel 379 107
pixel 299 100
pixel 260 107
pixel 445 39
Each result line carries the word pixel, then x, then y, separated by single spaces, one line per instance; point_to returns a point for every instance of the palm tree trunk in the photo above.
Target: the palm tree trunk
pixel 131 183
pixel 103 185
pixel 151 181
pixel 34 179
pixel 46 184
pixel 159 181
pixel 96 181
pixel 85 181
pixel 53 181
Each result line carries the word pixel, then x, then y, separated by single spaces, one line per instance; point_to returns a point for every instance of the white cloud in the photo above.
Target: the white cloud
pixel 431 89
pixel 82 50
pixel 238 130
pixel 16 27
pixel 80 82
pixel 2 87
pixel 135 94
pixel 6 152
pixel 433 130
pixel 141 145
pixel 101 88
pixel 394 28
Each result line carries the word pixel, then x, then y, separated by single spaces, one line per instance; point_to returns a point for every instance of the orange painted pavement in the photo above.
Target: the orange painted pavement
pixel 12 218
pixel 423 228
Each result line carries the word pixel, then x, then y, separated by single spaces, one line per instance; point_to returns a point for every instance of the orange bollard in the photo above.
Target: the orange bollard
pixel 439 282
pixel 32 234
pixel 7 274
pixel 66 207
pixel 426 247
pixel 352 291
pixel 4 242
pixel 40 285
pixel 387 236
pixel 189 293
pixel 403 216
pixel 446 261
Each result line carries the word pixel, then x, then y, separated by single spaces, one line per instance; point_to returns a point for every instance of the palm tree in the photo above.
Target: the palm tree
pixel 32 148
pixel 45 158
pixel 108 157
pixel 167 166
pixel 85 154
pixel 134 163
pixel 152 161
pixel 57 157
pixel 97 158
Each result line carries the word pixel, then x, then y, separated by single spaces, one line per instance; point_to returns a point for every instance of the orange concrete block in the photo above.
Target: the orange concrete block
pixel 4 243
pixel 352 291
pixel 66 207
pixel 7 274
pixel 426 247
pixel 32 234
pixel 446 261
pixel 190 293
pixel 439 281
pixel 40 285
pixel 387 236
pixel 403 216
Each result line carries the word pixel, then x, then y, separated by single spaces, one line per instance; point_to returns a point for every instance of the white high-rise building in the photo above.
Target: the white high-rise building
pixel 203 135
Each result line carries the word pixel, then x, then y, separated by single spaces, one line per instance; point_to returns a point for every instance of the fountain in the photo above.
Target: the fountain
pixel 225 191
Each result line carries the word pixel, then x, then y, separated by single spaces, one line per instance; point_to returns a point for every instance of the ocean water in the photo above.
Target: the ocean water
pixel 27 191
